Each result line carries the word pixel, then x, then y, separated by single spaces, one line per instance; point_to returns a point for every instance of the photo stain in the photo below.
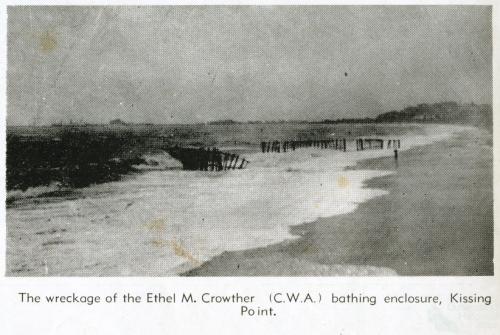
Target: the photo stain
pixel 156 225
pixel 159 243
pixel 343 182
pixel 181 252
pixel 178 249
pixel 48 42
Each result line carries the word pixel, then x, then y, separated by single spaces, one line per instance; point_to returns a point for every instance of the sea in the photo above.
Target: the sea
pixel 164 220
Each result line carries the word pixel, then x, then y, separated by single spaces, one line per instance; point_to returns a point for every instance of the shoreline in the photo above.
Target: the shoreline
pixel 282 215
pixel 401 233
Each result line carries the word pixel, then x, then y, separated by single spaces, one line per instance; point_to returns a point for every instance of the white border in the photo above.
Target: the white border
pixel 23 319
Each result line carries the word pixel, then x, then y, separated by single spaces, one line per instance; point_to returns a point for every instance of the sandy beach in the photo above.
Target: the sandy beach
pixel 437 219
pixel 306 212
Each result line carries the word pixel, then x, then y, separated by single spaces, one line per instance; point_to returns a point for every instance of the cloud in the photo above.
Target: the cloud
pixel 191 64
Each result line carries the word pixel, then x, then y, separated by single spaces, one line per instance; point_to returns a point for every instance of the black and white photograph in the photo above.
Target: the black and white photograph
pixel 255 141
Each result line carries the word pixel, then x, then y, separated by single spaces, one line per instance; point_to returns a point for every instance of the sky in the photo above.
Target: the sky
pixel 174 64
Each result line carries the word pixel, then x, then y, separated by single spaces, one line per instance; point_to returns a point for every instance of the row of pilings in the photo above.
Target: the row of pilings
pixel 207 159
pixel 212 159
pixel 284 146
pixel 375 143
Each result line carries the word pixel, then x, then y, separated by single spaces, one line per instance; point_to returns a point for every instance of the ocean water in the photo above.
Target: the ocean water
pixel 164 221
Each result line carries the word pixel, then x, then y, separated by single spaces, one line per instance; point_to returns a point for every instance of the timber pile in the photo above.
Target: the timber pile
pixel 207 159
pixel 284 146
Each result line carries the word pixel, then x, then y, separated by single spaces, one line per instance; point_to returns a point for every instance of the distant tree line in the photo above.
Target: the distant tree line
pixel 441 112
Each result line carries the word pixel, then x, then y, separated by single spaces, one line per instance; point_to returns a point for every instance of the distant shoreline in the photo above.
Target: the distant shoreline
pixel 326 122
pixel 449 112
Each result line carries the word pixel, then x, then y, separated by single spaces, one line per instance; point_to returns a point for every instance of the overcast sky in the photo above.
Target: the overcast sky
pixel 196 64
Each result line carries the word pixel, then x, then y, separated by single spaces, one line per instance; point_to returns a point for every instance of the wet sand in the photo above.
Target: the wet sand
pixel 436 220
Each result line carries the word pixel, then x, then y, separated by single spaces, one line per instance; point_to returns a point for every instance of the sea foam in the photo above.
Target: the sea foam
pixel 156 222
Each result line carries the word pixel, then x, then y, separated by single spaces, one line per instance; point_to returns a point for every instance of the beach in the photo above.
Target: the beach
pixel 310 211
pixel 435 219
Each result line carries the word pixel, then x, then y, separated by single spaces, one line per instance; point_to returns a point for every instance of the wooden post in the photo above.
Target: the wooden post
pixel 205 159
pixel 220 167
pixel 224 161
pixel 345 146
pixel 216 160
pixel 228 157
pixel 235 162
pixel 199 163
pixel 231 161
pixel 211 159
